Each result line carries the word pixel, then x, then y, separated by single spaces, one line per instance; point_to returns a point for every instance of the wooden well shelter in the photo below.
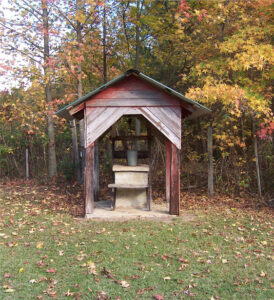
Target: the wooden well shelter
pixel 134 94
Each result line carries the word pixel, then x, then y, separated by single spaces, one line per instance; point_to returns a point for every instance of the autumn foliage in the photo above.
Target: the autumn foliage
pixel 218 53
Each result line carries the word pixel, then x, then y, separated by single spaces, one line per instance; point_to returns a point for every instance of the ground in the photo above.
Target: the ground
pixel 48 250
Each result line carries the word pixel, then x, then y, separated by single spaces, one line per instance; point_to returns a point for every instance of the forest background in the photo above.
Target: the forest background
pixel 216 52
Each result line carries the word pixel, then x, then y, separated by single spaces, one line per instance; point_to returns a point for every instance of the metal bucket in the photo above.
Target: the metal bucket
pixel 132 156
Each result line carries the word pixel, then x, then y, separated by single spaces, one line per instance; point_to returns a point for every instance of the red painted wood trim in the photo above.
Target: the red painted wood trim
pixel 168 166
pixel 88 180
pixel 133 106
pixel 76 109
pixel 174 206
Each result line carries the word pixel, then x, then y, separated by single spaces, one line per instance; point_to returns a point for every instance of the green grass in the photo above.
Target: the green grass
pixel 226 254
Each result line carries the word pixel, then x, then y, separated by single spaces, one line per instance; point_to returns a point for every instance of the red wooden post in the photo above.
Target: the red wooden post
pixel 174 206
pixel 168 169
pixel 89 178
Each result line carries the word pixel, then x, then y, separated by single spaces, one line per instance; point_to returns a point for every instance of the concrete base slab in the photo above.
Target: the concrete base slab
pixel 104 212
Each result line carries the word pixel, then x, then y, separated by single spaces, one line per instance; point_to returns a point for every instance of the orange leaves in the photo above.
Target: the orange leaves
pixel 50 270
pixel 266 130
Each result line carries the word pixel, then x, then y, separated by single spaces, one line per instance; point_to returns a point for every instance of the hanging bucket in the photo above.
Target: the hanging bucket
pixel 132 157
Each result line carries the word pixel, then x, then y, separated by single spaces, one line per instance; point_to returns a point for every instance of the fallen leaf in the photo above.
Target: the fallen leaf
pixel 158 297
pixel 20 270
pixel 107 273
pixel 224 261
pixel 69 293
pixel 167 278
pixel 263 274
pixel 51 270
pixel 32 281
pixel 39 245
pixel 101 231
pixel 124 284
pixel 91 267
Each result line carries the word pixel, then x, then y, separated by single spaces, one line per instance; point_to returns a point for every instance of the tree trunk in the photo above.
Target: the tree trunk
pixel 137 132
pixel 137 58
pixel 257 166
pixel 76 160
pixel 137 37
pixel 258 171
pixel 27 163
pixel 210 162
pixel 104 45
pixel 52 167
pixel 96 171
pixel 80 93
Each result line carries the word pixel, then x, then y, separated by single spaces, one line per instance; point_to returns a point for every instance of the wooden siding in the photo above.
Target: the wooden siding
pixel 166 119
pixel 134 92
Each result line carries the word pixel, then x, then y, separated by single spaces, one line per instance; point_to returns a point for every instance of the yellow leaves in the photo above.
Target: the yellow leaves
pixel 91 267
pixel 8 289
pixel 263 274
pixel 21 270
pixel 39 245
pixel 80 17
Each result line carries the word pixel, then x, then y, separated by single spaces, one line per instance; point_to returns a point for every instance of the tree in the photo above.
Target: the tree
pixel 27 31
pixel 81 17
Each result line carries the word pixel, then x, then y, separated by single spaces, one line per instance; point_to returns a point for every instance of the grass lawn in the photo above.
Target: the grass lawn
pixel 46 252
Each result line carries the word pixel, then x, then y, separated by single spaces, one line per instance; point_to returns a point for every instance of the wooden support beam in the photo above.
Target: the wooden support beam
pixel 123 154
pixel 89 180
pixel 96 171
pixel 131 138
pixel 149 195
pixel 174 205
pixel 168 169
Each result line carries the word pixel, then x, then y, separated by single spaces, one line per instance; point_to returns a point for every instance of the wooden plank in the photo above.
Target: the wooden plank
pixel 76 109
pixel 128 186
pixel 130 138
pixel 136 102
pixel 168 169
pixel 174 205
pixel 133 91
pixel 123 154
pixel 88 180
pixel 99 120
pixel 114 93
pixel 169 118
pixel 166 131
pixel 149 196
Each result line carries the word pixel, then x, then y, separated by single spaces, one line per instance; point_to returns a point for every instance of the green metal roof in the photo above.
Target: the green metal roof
pixel 199 108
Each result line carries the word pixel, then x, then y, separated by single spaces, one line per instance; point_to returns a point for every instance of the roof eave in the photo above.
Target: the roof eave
pixel 200 110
